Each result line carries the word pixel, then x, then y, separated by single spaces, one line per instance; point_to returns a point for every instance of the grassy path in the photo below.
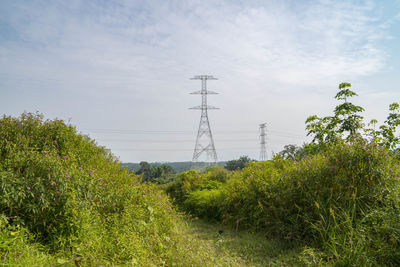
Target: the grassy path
pixel 218 245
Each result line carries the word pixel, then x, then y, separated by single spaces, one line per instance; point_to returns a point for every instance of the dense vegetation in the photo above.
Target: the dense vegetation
pixel 238 164
pixel 177 166
pixel 162 173
pixel 337 198
pixel 335 201
pixel 66 200
pixel 344 202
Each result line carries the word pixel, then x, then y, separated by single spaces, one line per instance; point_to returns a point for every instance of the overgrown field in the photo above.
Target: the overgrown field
pixel 341 206
pixel 65 200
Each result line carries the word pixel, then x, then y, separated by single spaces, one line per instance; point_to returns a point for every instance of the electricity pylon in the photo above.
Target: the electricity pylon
pixel 263 151
pixel 204 141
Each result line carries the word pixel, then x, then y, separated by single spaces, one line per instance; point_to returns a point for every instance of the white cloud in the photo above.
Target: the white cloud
pixel 138 56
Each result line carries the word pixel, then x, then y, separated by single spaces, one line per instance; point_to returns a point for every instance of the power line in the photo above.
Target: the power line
pixel 183 149
pixel 172 141
pixel 190 140
pixel 111 131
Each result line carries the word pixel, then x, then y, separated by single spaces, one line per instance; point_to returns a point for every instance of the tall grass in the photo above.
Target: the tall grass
pixel 65 200
pixel 342 203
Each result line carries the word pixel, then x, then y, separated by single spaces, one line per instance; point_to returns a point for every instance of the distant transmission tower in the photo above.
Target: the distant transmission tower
pixel 263 151
pixel 204 141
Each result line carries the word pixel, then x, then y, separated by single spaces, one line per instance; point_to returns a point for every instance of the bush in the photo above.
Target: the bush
pixel 69 202
pixel 204 203
pixel 343 202
pixel 191 181
pixel 16 248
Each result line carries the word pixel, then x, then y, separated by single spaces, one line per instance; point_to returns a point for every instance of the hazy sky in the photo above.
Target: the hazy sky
pixel 119 70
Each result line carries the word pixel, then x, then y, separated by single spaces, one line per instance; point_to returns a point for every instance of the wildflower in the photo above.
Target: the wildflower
pixel 28 187
pixel 390 169
pixel 276 198
pixel 31 136
pixel 44 151
pixel 23 178
pixel 90 173
pixel 52 183
pixel 41 197
pixel 114 204
pixel 65 157
pixel 100 179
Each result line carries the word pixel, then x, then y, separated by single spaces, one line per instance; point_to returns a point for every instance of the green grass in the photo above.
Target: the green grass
pixel 242 248
pixel 64 199
pixel 342 203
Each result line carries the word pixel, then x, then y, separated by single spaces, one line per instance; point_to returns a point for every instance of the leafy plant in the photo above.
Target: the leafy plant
pixel 388 130
pixel 238 164
pixel 342 202
pixel 66 200
pixel 345 119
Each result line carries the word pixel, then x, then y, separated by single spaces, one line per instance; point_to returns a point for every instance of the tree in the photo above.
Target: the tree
pixel 145 170
pixel 237 164
pixel 293 152
pixel 346 116
pixel 345 120
pixel 162 174
pixel 388 131
pixel 290 152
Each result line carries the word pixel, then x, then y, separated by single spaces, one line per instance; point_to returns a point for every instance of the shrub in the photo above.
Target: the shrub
pixel 184 184
pixel 191 181
pixel 204 203
pixel 251 196
pixel 69 197
pixel 16 248
pixel 343 202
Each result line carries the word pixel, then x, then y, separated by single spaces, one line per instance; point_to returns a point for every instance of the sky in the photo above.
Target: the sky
pixel 120 70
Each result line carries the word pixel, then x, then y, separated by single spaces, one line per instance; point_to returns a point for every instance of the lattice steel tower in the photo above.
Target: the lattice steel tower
pixel 263 151
pixel 204 141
